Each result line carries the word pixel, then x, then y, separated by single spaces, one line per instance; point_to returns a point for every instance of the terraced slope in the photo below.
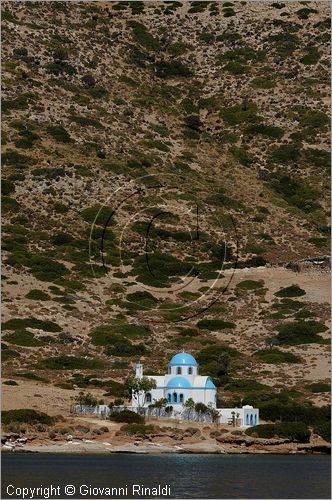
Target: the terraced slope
pixel 160 160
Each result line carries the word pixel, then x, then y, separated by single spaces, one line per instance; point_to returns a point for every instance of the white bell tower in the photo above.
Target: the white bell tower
pixel 139 370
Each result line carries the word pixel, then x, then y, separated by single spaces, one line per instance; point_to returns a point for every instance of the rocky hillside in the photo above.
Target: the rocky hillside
pixel 162 162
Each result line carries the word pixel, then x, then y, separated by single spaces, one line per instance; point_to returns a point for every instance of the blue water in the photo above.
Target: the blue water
pixel 189 476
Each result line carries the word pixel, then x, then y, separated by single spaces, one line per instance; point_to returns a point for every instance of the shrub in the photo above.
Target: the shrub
pixel 20 323
pixel 242 155
pixel 126 348
pixel 23 338
pixel 318 157
pixel 62 239
pixel 223 200
pixel 215 324
pixel 7 354
pixel 37 295
pixel 235 115
pixel 46 269
pixel 26 416
pixel 275 356
pixel 286 153
pixel 15 159
pixel 86 122
pixel 59 133
pixel 7 187
pixel 241 55
pixel 312 56
pixel 290 291
pixel 263 82
pixel 31 376
pixel 143 37
pixel 313 118
pixel 244 385
pixel 319 387
pixel 127 416
pixel 9 204
pixel 295 192
pixel 249 285
pixel 300 332
pixel 70 363
pixel 172 69
pixel 265 130
pixel 98 214
pixel 323 429
pixel 137 429
pixel 236 68
pixel 296 431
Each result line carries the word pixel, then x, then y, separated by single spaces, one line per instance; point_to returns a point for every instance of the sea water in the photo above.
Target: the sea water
pixel 46 475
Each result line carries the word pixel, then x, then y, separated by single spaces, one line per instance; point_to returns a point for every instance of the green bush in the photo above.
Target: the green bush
pixel 265 130
pixel 244 385
pixel 137 429
pixel 296 431
pixel 127 416
pixel 26 416
pixel 23 338
pixel 263 82
pixel 313 118
pixel 69 363
pixel 295 192
pixel 300 332
pixel 275 356
pixel 241 113
pixel 286 153
pixel 84 121
pixel 319 387
pixel 143 37
pixel 125 348
pixel 274 409
pixel 312 56
pixel 59 133
pixel 318 158
pixel 214 324
pixel 62 239
pixel 172 69
pixel 223 200
pixel 290 291
pixel 7 354
pixel 10 382
pixel 323 429
pixel 20 323
pixel 9 204
pixel 31 376
pixel 242 155
pixel 12 158
pixel 216 361
pixel 98 214
pixel 7 187
pixel 46 269
pixel 241 55
pixel 37 295
pixel 249 285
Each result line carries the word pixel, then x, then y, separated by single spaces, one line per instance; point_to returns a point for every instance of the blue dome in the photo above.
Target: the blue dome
pixel 209 384
pixel 183 358
pixel 178 383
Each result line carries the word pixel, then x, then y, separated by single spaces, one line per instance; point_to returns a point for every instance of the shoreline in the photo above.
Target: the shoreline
pixel 78 448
